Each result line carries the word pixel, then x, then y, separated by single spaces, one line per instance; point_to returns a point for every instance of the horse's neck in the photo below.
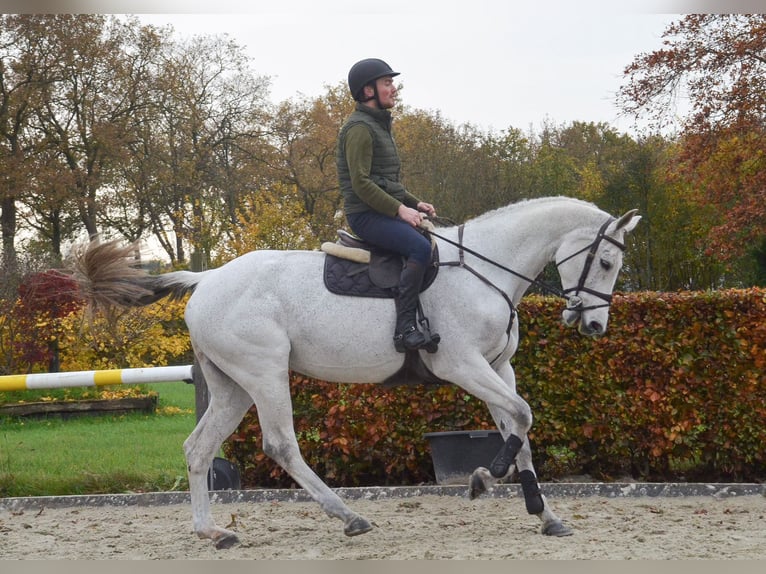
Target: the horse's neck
pixel 524 239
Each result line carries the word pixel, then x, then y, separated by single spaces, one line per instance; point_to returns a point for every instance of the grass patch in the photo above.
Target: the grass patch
pixel 99 454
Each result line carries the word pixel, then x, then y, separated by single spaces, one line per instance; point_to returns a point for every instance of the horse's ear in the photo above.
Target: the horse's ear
pixel 628 221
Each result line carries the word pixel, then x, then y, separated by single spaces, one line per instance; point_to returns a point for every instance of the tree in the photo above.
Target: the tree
pixel 87 107
pixel 304 134
pixel 204 137
pixel 460 169
pixel 271 220
pixel 24 64
pixel 71 89
pixel 718 61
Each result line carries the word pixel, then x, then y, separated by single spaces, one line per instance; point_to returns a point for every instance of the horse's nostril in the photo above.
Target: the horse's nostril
pixel 596 327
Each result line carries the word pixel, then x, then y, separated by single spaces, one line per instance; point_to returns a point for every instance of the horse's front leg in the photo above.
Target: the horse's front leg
pixel 484 479
pixel 535 501
pixel 516 450
pixel 514 432
pixel 504 463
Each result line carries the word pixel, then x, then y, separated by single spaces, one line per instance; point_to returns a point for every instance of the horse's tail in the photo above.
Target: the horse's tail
pixel 107 276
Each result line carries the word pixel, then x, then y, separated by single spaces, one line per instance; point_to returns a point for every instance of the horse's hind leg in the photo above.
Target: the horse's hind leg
pixel 270 389
pixel 228 404
pixel 279 443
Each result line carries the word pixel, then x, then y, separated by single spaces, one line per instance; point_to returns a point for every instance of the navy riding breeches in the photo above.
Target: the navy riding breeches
pixel 391 233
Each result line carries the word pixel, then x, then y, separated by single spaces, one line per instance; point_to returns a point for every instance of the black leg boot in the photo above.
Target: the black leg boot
pixel 407 336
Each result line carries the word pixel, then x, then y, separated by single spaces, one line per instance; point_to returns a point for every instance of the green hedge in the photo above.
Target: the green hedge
pixel 675 391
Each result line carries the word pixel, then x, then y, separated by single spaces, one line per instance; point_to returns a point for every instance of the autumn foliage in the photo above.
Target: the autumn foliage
pixel 675 391
pixel 45 328
pixel 716 63
pixel 30 322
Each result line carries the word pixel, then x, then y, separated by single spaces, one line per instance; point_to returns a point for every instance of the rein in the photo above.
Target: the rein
pixel 462 250
pixel 461 263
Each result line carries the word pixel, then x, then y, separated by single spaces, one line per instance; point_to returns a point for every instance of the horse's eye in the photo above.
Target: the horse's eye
pixel 606 265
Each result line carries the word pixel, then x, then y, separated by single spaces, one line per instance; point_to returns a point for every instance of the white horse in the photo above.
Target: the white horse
pixel 265 313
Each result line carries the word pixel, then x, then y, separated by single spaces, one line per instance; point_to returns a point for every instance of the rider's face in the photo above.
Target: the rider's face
pixel 386 92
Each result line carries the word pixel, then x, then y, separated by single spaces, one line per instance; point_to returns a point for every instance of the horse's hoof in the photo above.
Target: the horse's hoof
pixel 477 486
pixel 227 541
pixel 556 528
pixel 357 526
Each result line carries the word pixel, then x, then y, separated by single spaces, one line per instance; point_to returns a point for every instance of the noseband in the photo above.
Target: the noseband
pixel 574 302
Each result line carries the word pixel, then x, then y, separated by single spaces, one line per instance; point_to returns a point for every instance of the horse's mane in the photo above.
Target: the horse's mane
pixel 532 203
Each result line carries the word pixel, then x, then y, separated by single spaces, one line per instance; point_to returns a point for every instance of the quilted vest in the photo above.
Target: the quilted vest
pixel 386 165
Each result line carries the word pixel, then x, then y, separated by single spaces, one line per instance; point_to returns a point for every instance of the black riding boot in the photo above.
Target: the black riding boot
pixel 407 336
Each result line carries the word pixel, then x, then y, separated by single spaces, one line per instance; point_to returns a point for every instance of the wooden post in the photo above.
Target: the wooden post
pixel 201 396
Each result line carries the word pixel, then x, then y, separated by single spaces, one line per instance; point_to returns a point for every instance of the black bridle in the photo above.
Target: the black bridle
pixel 574 302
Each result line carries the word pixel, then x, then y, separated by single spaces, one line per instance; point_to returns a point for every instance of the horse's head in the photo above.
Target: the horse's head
pixel 588 267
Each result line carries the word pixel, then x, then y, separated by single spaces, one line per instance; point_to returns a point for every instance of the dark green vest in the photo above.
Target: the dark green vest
pixel 386 165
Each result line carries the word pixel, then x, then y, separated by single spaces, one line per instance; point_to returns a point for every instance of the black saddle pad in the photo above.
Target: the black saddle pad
pixel 378 278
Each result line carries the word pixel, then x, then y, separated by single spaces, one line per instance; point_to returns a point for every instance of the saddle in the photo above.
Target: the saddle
pixel 356 268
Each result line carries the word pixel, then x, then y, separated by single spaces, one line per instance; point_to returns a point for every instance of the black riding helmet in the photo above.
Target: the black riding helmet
pixel 366 71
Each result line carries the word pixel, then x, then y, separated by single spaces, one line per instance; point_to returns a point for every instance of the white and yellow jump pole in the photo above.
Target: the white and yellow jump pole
pixel 137 376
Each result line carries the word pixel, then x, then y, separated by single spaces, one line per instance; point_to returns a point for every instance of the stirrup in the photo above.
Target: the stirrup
pixel 431 344
pixel 399 340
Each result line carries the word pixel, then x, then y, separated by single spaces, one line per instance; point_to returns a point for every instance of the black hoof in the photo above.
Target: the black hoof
pixel 556 528
pixel 357 526
pixel 476 487
pixel 227 542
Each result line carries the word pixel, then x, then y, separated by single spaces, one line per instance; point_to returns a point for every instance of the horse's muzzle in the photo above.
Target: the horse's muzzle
pixel 586 326
pixel 571 317
pixel 591 328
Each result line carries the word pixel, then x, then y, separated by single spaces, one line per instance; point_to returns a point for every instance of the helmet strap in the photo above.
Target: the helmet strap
pixel 375 96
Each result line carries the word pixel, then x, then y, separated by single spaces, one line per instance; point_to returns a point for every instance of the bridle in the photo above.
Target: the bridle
pixel 574 302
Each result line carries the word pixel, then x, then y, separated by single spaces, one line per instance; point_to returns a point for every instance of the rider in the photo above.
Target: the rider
pixel 377 206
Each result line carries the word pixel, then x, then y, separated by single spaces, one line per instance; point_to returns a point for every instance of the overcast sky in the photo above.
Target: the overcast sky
pixel 491 63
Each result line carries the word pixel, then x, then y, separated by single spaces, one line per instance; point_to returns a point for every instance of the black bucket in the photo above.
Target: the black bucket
pixel 456 454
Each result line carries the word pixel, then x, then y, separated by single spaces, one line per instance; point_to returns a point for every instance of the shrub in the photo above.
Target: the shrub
pixel 29 324
pixel 45 329
pixel 674 391
pixel 150 336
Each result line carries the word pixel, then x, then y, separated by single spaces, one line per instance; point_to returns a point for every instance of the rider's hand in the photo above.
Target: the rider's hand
pixel 427 208
pixel 411 216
